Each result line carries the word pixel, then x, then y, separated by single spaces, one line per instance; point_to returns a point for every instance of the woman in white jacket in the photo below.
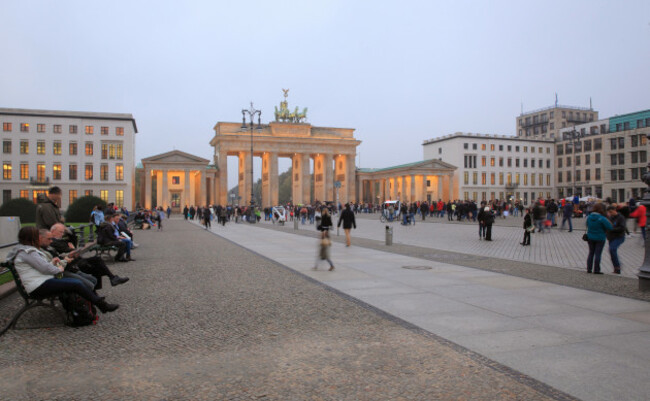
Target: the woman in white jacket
pixel 38 275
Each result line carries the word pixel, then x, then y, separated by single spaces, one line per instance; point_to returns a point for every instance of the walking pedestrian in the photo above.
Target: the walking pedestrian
pixel 615 236
pixel 325 243
pixel 597 226
pixel 639 215
pixel 347 218
pixel 528 228
pixel 567 215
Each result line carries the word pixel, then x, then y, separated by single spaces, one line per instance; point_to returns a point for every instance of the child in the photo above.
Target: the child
pixel 528 228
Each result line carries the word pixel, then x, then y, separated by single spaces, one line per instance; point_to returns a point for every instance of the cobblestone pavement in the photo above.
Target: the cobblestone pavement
pixel 203 319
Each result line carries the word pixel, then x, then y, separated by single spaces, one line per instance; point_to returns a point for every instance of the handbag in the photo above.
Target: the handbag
pixel 585 237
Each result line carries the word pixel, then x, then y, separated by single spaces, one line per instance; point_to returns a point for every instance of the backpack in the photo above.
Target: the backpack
pixel 79 311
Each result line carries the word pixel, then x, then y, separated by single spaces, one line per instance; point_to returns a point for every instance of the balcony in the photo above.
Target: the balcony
pixel 38 182
pixel 535 122
pixel 511 186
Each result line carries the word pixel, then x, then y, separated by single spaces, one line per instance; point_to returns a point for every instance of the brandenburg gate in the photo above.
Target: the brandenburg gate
pixel 333 151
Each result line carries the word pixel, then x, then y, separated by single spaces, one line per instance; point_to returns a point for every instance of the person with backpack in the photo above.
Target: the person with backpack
pixel 39 277
pixel 347 218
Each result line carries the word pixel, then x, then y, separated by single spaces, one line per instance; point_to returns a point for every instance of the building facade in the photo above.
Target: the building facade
pixel 610 158
pixel 493 167
pixel 547 122
pixel 83 153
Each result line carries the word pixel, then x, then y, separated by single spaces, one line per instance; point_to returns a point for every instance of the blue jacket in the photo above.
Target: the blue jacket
pixel 597 225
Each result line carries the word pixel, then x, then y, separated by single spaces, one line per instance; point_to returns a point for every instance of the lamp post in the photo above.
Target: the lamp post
pixel 251 115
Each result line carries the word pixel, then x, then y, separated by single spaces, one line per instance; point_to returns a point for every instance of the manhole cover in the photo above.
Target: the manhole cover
pixel 417 267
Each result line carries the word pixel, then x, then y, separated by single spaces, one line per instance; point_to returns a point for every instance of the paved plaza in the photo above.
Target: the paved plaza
pixel 236 313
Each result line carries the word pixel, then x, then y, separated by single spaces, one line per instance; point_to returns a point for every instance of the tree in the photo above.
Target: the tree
pixel 21 207
pixel 79 211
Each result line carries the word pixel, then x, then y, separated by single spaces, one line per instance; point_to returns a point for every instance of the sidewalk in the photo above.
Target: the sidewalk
pixel 587 344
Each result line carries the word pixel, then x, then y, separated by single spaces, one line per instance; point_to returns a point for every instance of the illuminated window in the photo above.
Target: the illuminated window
pixel 73 195
pixel 40 172
pixel 6 170
pixel 483 146
pixel 89 172
pixel 89 148
pixel 119 172
pixel 119 198
pixel 72 148
pixel 40 127
pixel 104 130
pixel 104 151
pixel 88 192
pixel 56 147
pixel 466 178
pixel 6 146
pixel 73 129
pixel 492 178
pixel 72 172
pixel 103 195
pixel 492 161
pixel 525 179
pixel 24 193
pixel 90 129
pixel 7 127
pixel 40 147
pixel 492 147
pixel 483 178
pixel 24 172
pixel 517 178
pixel 57 128
pixel 500 178
pixel 111 151
pixel 119 151
pixel 56 171
pixel 483 161
pixel 24 147
pixel 119 131
pixel 24 127
pixel 103 172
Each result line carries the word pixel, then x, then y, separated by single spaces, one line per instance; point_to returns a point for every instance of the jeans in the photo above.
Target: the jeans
pixel 595 252
pixel 481 230
pixel 567 218
pixel 55 286
pixel 613 250
pixel 129 244
pixel 551 216
pixel 539 224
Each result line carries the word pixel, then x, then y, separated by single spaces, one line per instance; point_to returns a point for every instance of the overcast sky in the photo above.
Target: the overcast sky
pixel 397 72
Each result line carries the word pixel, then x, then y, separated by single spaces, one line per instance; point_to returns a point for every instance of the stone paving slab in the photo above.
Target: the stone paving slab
pixel 204 319
pixel 547 319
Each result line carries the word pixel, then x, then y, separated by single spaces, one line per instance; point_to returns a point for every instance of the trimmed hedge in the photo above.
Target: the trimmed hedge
pixel 79 211
pixel 21 207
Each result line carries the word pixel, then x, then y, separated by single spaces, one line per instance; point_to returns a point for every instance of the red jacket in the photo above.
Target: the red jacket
pixel 639 214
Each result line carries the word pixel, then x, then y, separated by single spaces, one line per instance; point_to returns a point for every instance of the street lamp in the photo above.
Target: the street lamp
pixel 575 136
pixel 251 115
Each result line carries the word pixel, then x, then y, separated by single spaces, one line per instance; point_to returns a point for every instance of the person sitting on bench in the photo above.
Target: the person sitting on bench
pixel 109 235
pixel 94 265
pixel 38 275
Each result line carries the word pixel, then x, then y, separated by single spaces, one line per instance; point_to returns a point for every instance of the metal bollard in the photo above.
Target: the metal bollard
pixel 295 223
pixel 389 235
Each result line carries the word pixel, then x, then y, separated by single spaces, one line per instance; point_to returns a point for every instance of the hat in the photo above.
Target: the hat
pixel 487 209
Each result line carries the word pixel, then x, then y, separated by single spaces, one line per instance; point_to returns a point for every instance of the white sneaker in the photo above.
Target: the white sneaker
pixel 135 245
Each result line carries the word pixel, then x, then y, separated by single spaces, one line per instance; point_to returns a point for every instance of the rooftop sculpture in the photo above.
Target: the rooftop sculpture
pixel 285 115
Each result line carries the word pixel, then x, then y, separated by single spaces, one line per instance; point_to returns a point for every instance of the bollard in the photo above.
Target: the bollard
pixel 389 235
pixel 295 223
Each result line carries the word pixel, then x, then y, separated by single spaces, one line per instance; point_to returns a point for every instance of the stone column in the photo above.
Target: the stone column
pixel 147 188
pixel 328 177
pixel 413 194
pixel 451 187
pixel 222 166
pixel 165 189
pixel 203 189
pixel 245 178
pixel 300 178
pixel 269 179
pixel 186 189
pixel 350 175
pixel 424 188
pixel 440 194
pixel 158 188
pixel 305 178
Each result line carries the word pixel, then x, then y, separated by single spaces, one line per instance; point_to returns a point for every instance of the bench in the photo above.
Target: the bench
pixel 101 250
pixel 30 301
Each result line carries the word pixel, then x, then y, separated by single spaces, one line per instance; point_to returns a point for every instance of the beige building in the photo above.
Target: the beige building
pixel 547 122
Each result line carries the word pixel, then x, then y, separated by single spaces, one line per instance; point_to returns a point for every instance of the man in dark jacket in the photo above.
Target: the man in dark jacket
pixel 615 236
pixel 347 218
pixel 109 235
pixel 47 210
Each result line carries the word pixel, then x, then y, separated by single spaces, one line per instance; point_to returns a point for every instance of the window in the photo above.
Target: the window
pixel 6 170
pixel 475 178
pixel 466 178
pixel 73 129
pixel 7 127
pixel 483 161
pixel 56 128
pixel 119 131
pixel 500 178
pixel 597 173
pixel 517 162
pixel 483 146
pixel 103 195
pixel 635 173
pixel 104 130
pixel 509 148
pixel 568 162
pixel 120 154
pixel 509 179
pixel 119 174
pixel 492 147
pixel 89 172
pixel 597 158
pixel 510 162
pixel 621 174
pixel 621 158
pixel 6 147
pixel 578 175
pixel 517 178
pixel 40 147
pixel 532 163
pixel 548 163
pixel 614 174
pixel 483 178
pixel 526 149
pixel 634 141
pixel 492 178
pixel 56 171
pixel 532 180
pixel 111 151
pixel 552 125
pixel 56 147
pixel 598 143
pixel 587 145
pixel 72 148
pixel 526 179
pixel 577 160
pixel 621 143
pixel 36 193
pixel 24 193
pixel 88 192
pixel 559 162
pixel 568 176
pixel 104 151
pixel 24 171
pixel 526 163
pixel 466 145
pixel 643 156
pixel 72 194
pixel 516 148
pixel 587 174
pixel 587 160
pixel 474 147
pixel 559 177
pixel 500 161
pixel 40 127
pixel 501 148
pixel 40 172
pixel 119 198
pixel 72 172
pixel 560 150
pixel 548 181
pixel 613 159
pixel 103 172
pixel 90 129
pixel 89 148
pixel 24 127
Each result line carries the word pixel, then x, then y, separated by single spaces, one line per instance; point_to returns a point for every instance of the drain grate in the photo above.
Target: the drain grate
pixel 417 267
